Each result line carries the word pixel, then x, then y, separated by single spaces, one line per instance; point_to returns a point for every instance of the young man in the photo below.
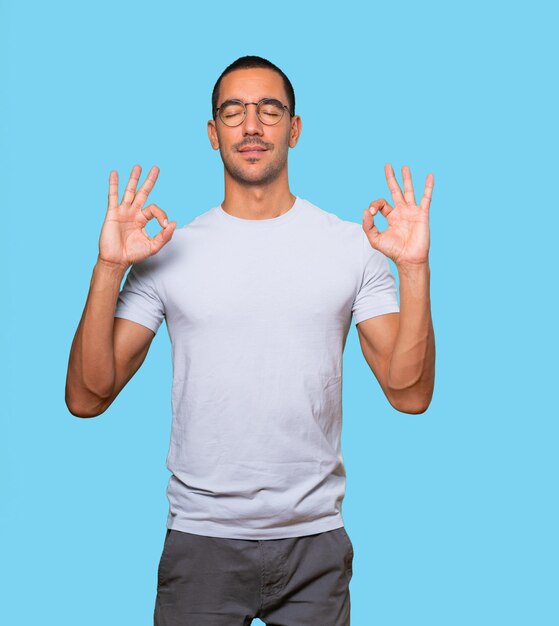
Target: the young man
pixel 258 295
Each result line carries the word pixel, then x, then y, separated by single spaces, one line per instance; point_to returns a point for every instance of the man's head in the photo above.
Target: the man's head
pixel 253 62
pixel 249 80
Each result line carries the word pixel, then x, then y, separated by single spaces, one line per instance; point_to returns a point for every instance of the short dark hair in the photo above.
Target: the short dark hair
pixel 250 62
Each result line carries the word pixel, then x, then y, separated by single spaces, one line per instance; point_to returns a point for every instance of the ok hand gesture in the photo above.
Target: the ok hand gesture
pixel 406 239
pixel 124 239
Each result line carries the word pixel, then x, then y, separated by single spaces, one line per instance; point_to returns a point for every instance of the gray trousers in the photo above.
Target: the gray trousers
pixel 213 581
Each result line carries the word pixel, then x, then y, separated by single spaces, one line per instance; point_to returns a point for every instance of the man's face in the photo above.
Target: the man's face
pixel 262 167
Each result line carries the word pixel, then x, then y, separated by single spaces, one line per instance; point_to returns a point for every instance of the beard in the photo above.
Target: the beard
pixel 245 174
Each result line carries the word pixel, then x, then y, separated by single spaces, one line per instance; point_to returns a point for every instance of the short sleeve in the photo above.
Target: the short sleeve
pixel 138 299
pixel 377 294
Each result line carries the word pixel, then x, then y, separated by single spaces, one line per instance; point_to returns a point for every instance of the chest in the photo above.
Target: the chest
pixel 289 281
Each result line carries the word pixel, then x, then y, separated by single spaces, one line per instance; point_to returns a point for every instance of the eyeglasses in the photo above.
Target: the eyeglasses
pixel 268 110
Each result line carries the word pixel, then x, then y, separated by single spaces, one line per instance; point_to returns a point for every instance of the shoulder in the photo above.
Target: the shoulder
pixel 198 223
pixel 341 228
pixel 182 240
pixel 347 235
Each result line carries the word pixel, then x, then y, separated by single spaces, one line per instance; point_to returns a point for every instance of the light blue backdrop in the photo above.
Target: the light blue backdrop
pixel 453 513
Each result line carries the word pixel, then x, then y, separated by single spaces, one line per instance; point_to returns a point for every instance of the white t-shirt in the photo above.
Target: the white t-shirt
pixel 258 313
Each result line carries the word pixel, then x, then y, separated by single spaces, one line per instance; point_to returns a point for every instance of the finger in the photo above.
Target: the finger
pixel 162 237
pixel 408 186
pixel 372 232
pixel 161 231
pixel 144 190
pixel 428 192
pixel 152 211
pixel 131 186
pixel 380 206
pixel 113 189
pixel 393 185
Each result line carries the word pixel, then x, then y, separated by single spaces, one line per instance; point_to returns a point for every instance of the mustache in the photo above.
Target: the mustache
pixel 267 146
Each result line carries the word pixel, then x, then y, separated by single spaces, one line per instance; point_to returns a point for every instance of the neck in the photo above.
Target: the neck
pixel 257 202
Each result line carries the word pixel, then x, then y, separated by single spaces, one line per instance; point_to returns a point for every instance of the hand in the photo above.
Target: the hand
pixel 124 239
pixel 406 239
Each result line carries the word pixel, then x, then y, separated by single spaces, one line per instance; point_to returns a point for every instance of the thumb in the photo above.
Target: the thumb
pixel 372 232
pixel 162 237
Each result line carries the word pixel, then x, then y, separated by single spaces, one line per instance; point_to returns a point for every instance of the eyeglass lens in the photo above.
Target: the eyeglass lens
pixel 269 112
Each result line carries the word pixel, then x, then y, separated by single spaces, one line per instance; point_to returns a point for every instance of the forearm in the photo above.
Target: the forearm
pixel 91 367
pixel 412 366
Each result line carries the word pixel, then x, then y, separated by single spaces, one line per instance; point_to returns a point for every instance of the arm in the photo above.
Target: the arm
pixel 107 351
pixel 400 348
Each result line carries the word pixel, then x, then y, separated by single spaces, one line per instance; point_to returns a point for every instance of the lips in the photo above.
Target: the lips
pixel 252 149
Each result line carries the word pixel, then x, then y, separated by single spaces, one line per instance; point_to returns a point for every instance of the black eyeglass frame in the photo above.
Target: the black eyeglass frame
pixel 274 100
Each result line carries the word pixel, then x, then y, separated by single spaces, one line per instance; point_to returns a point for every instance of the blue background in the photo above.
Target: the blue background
pixel 453 513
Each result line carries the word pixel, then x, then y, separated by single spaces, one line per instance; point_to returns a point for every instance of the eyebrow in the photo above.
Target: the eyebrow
pixel 239 100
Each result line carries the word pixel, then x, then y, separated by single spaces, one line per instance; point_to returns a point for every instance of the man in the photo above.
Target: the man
pixel 258 295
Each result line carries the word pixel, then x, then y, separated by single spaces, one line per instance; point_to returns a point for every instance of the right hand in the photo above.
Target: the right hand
pixel 124 239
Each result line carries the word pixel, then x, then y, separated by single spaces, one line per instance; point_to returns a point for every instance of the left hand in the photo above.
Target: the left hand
pixel 406 239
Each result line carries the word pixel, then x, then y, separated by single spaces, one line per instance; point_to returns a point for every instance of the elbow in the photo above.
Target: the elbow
pixel 413 397
pixel 83 410
pixel 412 403
pixel 80 412
pixel 415 409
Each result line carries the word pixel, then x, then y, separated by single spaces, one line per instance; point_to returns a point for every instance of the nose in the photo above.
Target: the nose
pixel 252 125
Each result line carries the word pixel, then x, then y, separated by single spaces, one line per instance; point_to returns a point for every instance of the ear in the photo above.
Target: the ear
pixel 295 132
pixel 212 134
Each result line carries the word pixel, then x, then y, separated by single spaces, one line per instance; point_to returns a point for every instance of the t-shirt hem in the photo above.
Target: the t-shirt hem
pixel 226 532
pixel 364 315
pixel 139 320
